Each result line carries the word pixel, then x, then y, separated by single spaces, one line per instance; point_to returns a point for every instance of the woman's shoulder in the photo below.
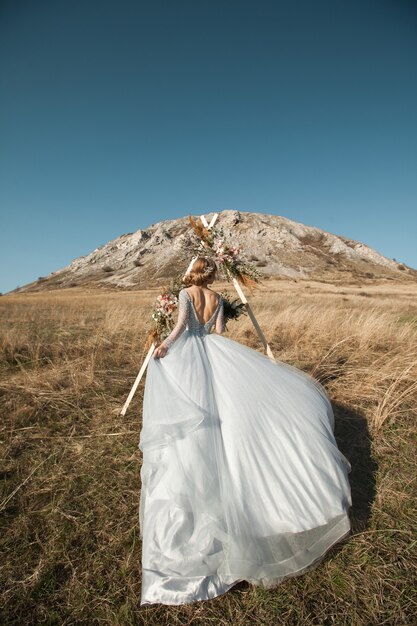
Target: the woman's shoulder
pixel 193 289
pixel 219 296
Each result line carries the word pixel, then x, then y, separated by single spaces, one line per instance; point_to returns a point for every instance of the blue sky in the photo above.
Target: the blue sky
pixel 116 115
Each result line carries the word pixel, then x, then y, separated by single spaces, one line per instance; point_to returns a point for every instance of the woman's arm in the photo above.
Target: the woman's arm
pixel 180 326
pixel 220 324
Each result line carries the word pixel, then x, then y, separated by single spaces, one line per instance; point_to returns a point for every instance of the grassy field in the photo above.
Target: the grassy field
pixel 70 484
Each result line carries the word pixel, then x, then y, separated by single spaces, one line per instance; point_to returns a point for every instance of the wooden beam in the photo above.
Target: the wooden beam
pixel 253 318
pixel 138 378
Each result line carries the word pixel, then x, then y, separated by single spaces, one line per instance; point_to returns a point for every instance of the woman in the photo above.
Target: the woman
pixel 242 478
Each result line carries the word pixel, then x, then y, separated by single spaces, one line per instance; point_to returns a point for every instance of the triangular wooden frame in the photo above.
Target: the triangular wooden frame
pixel 241 296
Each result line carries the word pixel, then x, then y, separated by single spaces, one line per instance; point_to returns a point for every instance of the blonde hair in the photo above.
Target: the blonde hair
pixel 202 270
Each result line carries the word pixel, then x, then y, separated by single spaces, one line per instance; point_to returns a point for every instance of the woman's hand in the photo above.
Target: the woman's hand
pixel 160 351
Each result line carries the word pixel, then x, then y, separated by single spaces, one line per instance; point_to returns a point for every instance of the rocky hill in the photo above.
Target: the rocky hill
pixel 278 246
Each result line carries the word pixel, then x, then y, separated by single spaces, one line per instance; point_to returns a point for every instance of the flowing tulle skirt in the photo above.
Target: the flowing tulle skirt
pixel 241 478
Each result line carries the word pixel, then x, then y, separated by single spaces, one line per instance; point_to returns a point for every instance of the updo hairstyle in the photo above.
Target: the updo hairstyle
pixel 203 269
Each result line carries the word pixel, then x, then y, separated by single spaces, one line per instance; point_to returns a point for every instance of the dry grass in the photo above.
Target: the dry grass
pixel 70 476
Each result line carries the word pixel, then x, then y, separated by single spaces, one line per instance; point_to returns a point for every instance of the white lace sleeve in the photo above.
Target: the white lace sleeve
pixel 183 316
pixel 220 325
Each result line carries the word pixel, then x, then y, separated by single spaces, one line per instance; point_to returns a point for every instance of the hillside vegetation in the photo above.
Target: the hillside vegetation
pixel 71 466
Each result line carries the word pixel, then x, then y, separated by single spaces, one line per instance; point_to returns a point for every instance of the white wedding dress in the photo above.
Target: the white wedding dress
pixel 242 478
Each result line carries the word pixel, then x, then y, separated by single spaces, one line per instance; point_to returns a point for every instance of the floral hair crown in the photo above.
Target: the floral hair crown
pixel 208 269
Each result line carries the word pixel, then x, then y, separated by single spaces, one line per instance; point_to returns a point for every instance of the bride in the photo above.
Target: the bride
pixel 241 478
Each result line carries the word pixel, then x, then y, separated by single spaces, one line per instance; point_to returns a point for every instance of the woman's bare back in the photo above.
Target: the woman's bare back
pixel 205 302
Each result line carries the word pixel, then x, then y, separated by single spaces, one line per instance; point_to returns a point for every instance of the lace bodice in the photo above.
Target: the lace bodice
pixel 187 318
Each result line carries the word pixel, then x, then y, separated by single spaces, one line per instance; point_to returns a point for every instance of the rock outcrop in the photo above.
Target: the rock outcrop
pixel 279 247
